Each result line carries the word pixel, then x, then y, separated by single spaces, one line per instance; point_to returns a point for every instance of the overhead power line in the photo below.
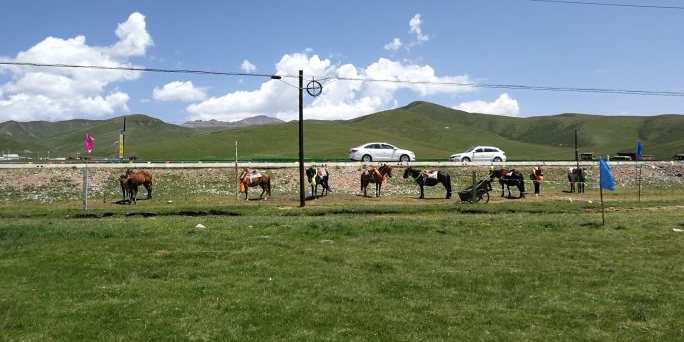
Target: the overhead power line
pixel 521 87
pixel 360 79
pixel 610 4
pixel 99 67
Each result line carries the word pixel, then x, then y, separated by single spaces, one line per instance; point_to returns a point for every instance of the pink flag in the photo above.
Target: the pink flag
pixel 89 142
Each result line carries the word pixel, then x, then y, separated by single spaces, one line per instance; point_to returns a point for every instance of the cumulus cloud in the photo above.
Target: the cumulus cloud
pixel 65 93
pixel 341 99
pixel 247 66
pixel 394 45
pixel 504 105
pixel 179 91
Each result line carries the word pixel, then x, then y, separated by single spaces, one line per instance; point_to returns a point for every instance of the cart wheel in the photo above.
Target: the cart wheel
pixel 484 197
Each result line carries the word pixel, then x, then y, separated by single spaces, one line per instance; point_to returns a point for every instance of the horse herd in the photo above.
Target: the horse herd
pixel 319 176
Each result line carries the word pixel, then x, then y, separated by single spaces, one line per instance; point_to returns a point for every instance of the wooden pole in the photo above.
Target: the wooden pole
pixel 639 180
pixel 603 217
pixel 302 201
pixel 237 180
pixel 474 190
pixel 85 187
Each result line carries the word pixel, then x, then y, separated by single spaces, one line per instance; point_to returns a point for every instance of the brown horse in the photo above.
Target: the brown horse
pixel 375 175
pixel 254 178
pixel 142 177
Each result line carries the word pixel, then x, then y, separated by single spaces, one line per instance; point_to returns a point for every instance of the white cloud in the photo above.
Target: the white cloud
pixel 416 30
pixel 394 45
pixel 179 91
pixel 341 99
pixel 64 93
pixel 504 105
pixel 417 36
pixel 247 66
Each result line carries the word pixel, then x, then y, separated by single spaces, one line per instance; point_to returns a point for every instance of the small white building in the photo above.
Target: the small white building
pixel 10 156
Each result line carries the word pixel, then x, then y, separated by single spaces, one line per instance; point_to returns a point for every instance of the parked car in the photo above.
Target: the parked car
pixel 380 151
pixel 480 153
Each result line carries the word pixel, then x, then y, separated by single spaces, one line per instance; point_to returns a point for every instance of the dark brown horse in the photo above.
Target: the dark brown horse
pixel 424 178
pixel 509 177
pixel 129 188
pixel 142 177
pixel 252 178
pixel 375 175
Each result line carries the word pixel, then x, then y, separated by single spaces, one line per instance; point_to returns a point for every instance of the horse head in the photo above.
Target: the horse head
pixel 407 172
pixel 495 174
pixel 310 173
pixel 243 175
pixel 386 170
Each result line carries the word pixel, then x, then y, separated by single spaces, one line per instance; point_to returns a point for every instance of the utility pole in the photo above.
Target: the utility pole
pixel 302 201
pixel 576 152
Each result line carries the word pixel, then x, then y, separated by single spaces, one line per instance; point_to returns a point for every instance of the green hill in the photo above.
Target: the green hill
pixel 430 130
pixel 66 137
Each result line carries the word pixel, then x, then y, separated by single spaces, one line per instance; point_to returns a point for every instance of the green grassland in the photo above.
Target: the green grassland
pixel 344 268
pixel 430 130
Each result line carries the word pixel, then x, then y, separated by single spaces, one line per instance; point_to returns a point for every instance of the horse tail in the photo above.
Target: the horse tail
pixel 327 179
pixel 521 181
pixel 447 183
pixel 268 185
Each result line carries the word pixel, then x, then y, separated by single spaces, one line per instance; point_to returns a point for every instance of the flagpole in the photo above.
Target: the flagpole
pixel 603 216
pixel 639 180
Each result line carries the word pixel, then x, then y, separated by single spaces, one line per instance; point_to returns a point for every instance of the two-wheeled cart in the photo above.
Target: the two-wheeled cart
pixel 482 189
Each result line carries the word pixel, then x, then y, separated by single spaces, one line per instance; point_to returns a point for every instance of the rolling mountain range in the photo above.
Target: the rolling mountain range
pixel 431 131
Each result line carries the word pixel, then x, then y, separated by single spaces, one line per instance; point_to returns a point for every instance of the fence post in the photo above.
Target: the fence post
pixel 474 190
pixel 85 189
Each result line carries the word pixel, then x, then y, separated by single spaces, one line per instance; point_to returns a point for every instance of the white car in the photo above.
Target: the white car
pixel 380 151
pixel 480 153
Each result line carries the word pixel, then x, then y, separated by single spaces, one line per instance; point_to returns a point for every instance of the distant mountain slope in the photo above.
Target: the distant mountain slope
pixel 66 137
pixel 218 125
pixel 430 130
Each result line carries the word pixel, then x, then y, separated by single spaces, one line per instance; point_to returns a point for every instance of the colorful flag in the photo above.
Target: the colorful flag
pixel 607 181
pixel 638 150
pixel 89 142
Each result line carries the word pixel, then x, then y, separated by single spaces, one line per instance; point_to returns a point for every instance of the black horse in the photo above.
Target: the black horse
pixel 316 177
pixel 424 178
pixel 509 177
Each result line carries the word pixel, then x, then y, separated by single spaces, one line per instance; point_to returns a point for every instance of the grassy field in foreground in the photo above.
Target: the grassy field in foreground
pixel 354 272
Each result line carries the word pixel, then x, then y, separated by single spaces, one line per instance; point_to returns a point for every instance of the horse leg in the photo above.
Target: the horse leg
pixel 148 187
pixel 377 189
pixel 502 188
pixel 447 185
pixel 263 190
pixel 422 192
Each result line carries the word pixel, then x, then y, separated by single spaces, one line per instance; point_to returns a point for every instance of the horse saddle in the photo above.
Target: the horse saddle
pixel 508 173
pixel 375 170
pixel 430 174
pixel 252 176
pixel 321 172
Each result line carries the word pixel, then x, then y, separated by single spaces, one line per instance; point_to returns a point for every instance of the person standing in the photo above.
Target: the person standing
pixel 537 177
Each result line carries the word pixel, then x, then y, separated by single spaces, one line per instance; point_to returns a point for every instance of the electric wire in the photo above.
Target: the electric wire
pixel 609 4
pixel 360 79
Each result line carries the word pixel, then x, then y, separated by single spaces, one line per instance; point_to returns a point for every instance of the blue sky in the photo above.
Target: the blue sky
pixel 469 41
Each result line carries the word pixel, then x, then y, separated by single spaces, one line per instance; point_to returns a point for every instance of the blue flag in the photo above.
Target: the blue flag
pixel 607 180
pixel 638 151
